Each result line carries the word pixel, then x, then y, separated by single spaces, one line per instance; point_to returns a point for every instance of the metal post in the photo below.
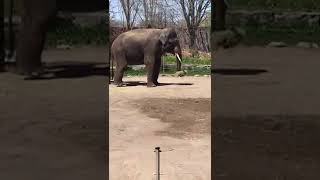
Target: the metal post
pixel 2 45
pixel 157 150
pixel 163 65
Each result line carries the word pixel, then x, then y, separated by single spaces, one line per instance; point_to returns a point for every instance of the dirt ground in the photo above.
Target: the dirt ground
pixel 174 116
pixel 266 114
pixel 55 128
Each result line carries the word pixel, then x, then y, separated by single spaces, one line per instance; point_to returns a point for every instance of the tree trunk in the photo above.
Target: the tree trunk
pixel 219 15
pixel 2 51
pixel 192 38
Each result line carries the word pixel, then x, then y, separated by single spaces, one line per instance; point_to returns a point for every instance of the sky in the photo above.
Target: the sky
pixel 115 5
pixel 116 8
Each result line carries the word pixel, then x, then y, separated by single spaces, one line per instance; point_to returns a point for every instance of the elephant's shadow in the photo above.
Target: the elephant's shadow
pixel 141 83
pixel 238 71
pixel 65 70
pixel 76 69
pixel 72 69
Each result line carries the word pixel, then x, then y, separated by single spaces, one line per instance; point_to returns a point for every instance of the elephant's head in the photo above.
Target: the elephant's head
pixel 170 42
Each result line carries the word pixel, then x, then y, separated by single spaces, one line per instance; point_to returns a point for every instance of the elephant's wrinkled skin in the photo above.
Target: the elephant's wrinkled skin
pixel 35 21
pixel 143 46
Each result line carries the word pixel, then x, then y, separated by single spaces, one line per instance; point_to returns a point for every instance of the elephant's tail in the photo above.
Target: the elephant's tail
pixel 11 31
pixel 111 66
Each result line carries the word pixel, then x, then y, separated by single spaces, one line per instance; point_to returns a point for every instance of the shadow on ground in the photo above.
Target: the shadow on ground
pixel 237 71
pixel 267 147
pixel 69 69
pixel 141 83
pixel 76 69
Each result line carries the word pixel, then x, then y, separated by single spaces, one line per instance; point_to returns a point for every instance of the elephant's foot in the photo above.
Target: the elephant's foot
pixel 25 71
pixel 120 84
pixel 151 84
pixel 156 83
pixel 33 75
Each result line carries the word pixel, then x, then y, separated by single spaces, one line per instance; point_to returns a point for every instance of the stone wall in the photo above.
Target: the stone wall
pixel 283 19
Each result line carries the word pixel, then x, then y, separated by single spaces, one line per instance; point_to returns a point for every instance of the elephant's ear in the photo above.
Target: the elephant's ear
pixel 164 36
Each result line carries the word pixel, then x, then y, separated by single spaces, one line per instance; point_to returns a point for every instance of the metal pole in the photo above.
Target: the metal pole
pixel 157 150
pixel 2 45
pixel 11 31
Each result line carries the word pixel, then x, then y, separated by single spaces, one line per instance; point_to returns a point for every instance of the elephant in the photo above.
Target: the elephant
pixel 36 16
pixel 144 46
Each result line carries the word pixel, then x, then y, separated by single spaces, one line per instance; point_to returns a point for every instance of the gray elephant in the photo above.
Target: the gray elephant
pixel 35 22
pixel 144 46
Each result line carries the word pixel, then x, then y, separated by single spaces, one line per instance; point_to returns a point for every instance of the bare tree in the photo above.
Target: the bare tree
pixel 130 9
pixel 194 12
pixel 153 13
pixel 149 11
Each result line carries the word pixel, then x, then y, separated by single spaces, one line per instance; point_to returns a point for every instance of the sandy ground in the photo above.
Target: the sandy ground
pixel 174 116
pixel 266 114
pixel 55 128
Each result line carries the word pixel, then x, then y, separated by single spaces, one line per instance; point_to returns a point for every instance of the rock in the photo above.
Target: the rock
pixel 180 73
pixel 262 17
pixel 277 44
pixel 304 45
pixel 196 75
pixel 63 46
pixel 227 38
pixel 314 45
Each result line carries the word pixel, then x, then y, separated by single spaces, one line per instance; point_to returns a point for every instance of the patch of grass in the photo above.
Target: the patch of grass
pixel 67 33
pixel 187 60
pixel 262 35
pixel 190 72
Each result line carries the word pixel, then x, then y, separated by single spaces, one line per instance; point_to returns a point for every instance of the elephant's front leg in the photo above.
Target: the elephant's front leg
pixel 151 74
pixel 35 22
pixel 156 72
pixel 30 46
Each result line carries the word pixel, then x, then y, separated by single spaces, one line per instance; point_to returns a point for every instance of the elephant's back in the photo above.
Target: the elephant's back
pixel 140 34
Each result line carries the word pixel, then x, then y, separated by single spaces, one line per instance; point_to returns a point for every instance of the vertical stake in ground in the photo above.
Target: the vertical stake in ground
pixel 157 150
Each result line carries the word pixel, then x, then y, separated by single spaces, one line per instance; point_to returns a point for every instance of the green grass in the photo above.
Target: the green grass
pixel 291 5
pixel 65 33
pixel 190 72
pixel 187 60
pixel 262 35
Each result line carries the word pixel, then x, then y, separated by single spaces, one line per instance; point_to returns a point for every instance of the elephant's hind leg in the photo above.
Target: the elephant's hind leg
pixel 121 64
pixel 156 72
